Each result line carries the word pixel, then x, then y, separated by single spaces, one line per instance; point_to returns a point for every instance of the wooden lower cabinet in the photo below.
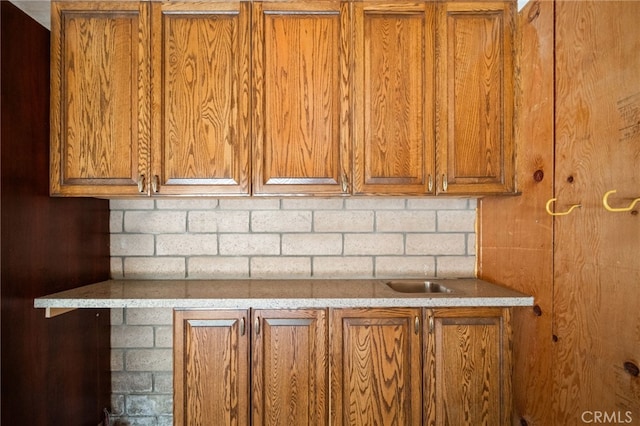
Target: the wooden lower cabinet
pixel 375 366
pixel 279 358
pixel 467 371
pixel 289 376
pixel 348 366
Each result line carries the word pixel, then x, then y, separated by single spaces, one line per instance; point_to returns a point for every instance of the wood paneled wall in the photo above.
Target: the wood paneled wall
pixel 578 136
pixel 54 371
pixel 515 235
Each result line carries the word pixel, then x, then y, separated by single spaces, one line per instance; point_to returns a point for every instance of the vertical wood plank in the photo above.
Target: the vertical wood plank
pixel 515 235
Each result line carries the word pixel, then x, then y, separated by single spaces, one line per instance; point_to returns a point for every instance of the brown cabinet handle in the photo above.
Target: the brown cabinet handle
pixel 242 326
pixel 256 325
pixel 430 184
pixel 416 325
pixel 445 184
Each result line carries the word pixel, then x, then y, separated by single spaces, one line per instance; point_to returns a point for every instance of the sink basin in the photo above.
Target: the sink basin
pixel 418 286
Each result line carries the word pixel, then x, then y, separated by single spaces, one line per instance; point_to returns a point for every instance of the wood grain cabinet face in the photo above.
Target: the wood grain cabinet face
pixel 467 375
pixel 211 368
pixel 290 367
pixel 393 97
pixel 100 89
pixel 475 152
pixel 270 370
pixel 300 110
pixel 201 58
pixel 375 366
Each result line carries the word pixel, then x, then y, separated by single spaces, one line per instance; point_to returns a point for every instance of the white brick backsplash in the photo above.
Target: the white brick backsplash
pixel 154 267
pixel 187 204
pixel 343 221
pixel 373 244
pixel 219 221
pixel 250 204
pixel 156 222
pixel 406 221
pixel 132 337
pixel 249 244
pixel 131 382
pixel 279 266
pixel 218 266
pixel 132 245
pixel 342 267
pixel 313 203
pixel 456 220
pixel 141 204
pixel 456 266
pixel 148 359
pixel 310 244
pixel 375 203
pixel 116 221
pixel 440 203
pixel 405 266
pixel 164 337
pixel 149 316
pixel 436 244
pixel 149 405
pixel 186 244
pixel 281 221
pixel 263 238
pixel 163 382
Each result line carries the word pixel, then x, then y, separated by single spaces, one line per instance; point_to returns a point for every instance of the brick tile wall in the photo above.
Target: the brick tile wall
pixel 263 238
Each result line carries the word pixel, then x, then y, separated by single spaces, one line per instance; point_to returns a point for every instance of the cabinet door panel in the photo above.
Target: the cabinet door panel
pixel 201 126
pixel 375 366
pixel 99 97
pixel 393 97
pixel 290 367
pixel 300 83
pixel 211 377
pixel 475 68
pixel 467 372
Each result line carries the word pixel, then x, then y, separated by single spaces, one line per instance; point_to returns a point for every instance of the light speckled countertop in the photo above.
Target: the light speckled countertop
pixel 277 294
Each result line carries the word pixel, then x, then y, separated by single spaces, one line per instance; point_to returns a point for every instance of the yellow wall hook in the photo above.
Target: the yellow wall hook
pixel 548 207
pixel 605 202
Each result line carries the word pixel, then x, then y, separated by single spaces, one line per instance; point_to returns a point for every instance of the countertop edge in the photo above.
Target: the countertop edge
pixel 97 296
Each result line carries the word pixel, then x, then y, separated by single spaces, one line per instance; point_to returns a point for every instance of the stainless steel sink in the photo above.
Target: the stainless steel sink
pixel 418 286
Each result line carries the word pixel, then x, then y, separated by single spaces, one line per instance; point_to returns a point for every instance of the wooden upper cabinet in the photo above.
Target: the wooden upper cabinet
pixel 475 99
pixel 201 98
pixel 300 108
pixel 376 366
pixel 100 89
pixel 290 368
pixel 393 97
pixel 467 374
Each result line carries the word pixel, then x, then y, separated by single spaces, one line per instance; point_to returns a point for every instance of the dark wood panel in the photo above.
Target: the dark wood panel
pixel 54 371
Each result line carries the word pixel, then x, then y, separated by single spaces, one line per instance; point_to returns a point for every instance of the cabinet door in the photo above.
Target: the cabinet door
pixel 290 368
pixel 375 367
pixel 394 97
pixel 100 90
pixel 201 95
pixel 475 97
pixel 467 373
pixel 300 83
pixel 211 363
